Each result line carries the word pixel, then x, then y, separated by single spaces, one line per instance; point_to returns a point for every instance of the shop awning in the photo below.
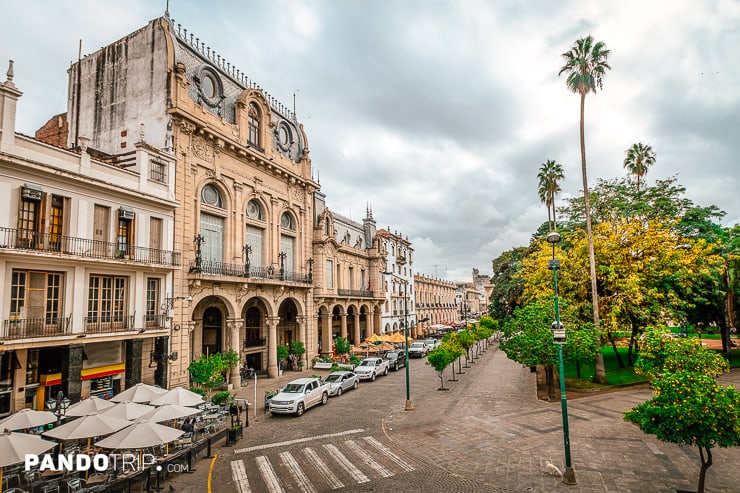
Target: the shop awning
pixel 102 371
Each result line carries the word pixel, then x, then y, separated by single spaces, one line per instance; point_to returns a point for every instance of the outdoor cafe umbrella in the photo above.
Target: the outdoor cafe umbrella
pixel 14 447
pixel 374 338
pixel 89 406
pixel 139 435
pixel 167 412
pixel 140 392
pixel 27 418
pixel 178 396
pixel 397 338
pixel 127 410
pixel 92 425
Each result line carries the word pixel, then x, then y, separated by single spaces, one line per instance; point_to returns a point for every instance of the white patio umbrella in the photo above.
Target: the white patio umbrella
pixel 127 410
pixel 179 396
pixel 15 446
pixel 27 418
pixel 140 435
pixel 140 392
pixel 92 425
pixel 89 406
pixel 167 412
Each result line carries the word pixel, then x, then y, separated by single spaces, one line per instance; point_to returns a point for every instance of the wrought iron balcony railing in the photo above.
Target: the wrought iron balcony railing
pixel 357 293
pixel 28 328
pixel 18 239
pixel 104 325
pixel 238 270
pixel 154 321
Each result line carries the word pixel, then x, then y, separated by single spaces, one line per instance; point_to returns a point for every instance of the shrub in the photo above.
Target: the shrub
pixel 222 397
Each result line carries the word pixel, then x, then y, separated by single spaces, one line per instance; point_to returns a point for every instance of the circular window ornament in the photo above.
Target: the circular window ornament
pixel 210 89
pixel 253 210
pixel 284 136
pixel 208 86
pixel 209 195
pixel 286 221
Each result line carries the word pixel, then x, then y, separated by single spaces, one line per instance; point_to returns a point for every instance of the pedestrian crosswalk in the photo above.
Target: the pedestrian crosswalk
pixel 317 468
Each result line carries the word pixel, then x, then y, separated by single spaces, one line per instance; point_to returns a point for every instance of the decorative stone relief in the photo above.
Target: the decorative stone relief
pixel 201 150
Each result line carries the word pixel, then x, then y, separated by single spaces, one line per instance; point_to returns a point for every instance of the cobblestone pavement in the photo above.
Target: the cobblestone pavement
pixel 487 433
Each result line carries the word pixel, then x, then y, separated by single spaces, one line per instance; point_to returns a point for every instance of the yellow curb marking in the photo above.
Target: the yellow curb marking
pixel 210 471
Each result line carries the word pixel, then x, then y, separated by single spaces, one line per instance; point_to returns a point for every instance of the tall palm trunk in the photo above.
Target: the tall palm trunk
pixel 599 371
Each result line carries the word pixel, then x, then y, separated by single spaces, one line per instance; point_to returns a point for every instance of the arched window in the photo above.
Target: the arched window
pixel 211 196
pixel 254 210
pixel 255 233
pixel 286 221
pixel 255 124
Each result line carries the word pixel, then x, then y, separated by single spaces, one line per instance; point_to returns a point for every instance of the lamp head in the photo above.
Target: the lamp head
pixel 553 237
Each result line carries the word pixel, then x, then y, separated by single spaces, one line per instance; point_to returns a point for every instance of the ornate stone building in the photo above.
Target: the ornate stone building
pixel 86 259
pixel 348 260
pixel 243 181
pixel 435 301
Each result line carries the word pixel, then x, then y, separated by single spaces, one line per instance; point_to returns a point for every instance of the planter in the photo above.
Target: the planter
pixel 322 365
pixel 233 435
pixel 346 366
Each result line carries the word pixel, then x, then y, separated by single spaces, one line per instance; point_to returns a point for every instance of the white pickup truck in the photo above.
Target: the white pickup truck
pixel 299 395
pixel 369 368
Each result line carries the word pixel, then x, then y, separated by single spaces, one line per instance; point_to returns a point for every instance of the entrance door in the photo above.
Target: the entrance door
pixel 254 361
pixel 212 329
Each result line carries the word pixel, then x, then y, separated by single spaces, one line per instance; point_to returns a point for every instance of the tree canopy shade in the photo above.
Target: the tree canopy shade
pixel 585 67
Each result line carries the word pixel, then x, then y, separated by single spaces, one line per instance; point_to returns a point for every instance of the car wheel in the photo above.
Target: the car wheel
pixel 386 371
pixel 339 391
pixel 325 397
pixel 299 410
pixel 355 385
pixel 372 377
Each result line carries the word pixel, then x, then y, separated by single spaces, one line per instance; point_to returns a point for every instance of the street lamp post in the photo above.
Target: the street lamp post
pixel 569 476
pixel 58 406
pixel 408 406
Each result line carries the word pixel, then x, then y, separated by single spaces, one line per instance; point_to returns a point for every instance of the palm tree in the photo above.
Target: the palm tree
pixel 549 176
pixel 639 158
pixel 585 67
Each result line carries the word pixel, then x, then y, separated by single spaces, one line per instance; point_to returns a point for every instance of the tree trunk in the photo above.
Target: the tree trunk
pixel 459 366
pixel 578 368
pixel 453 373
pixel 442 380
pixel 705 464
pixel 614 347
pixel 599 371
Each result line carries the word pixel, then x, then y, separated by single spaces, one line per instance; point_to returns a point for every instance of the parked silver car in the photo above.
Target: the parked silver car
pixel 339 381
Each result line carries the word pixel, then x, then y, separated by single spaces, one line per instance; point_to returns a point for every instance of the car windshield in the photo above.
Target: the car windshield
pixel 293 388
pixel 391 356
pixel 367 363
pixel 418 344
pixel 333 378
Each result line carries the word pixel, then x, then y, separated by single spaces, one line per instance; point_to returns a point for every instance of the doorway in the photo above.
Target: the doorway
pixel 212 330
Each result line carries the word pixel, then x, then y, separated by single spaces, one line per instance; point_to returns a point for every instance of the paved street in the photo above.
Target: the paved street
pixel 487 433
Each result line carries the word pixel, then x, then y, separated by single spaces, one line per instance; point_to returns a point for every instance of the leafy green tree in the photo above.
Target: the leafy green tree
pixel 230 360
pixel 585 68
pixel 581 346
pixel 298 349
pixel 451 344
pixel 466 339
pixel 208 371
pixel 507 285
pixel 639 158
pixel 661 353
pixel 690 409
pixel 342 346
pixel 282 354
pixel 549 177
pixel 440 358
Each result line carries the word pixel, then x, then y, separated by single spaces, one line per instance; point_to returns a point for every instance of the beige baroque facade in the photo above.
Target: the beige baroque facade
pixel 243 180
pixel 435 301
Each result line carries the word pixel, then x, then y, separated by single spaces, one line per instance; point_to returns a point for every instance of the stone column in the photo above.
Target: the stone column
pixel 302 338
pixel 72 373
pixel 133 362
pixel 356 334
pixel 234 327
pixel 272 363
pixel 326 334
pixel 370 322
pixel 343 325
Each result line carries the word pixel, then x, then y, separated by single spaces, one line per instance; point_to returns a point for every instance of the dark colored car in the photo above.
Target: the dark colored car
pixel 396 359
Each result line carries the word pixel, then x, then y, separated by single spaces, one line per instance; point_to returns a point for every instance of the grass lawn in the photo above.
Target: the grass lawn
pixel 614 374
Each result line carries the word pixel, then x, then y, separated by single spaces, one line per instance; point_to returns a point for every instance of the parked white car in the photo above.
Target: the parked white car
pixel 418 350
pixel 339 381
pixel 299 395
pixel 431 343
pixel 369 368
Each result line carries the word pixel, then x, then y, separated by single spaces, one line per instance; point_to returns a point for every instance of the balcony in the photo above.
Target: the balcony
pixel 355 293
pixel 107 325
pixel 15 239
pixel 255 342
pixel 155 321
pixel 237 270
pixel 29 328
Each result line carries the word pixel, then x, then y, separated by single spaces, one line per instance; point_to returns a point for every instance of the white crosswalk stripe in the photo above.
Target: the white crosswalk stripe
pixel 367 459
pixel 303 483
pixel 375 443
pixel 268 474
pixel 315 464
pixel 351 469
pixel 239 475
pixel 320 467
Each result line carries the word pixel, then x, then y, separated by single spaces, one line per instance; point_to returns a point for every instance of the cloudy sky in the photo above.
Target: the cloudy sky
pixel 439 113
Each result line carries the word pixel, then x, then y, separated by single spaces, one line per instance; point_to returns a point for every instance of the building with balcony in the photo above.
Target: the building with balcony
pixel 242 176
pixel 86 261
pixel 398 285
pixel 435 301
pixel 348 259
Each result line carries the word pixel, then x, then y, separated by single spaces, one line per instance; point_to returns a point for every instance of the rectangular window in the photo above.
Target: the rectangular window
pixel 212 229
pixel 152 300
pixel 36 295
pixel 329 274
pixel 255 240
pixel 56 222
pixel 363 284
pixel 123 243
pixel 107 299
pixel 17 293
pixel 287 246
pixel 158 171
pixel 155 233
pixel 28 222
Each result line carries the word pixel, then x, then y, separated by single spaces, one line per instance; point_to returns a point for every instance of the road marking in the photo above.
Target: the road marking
pixel 367 459
pixel 297 440
pixel 322 469
pixel 239 475
pixel 356 474
pixel 210 469
pixel 297 473
pixel 268 474
pixel 401 463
